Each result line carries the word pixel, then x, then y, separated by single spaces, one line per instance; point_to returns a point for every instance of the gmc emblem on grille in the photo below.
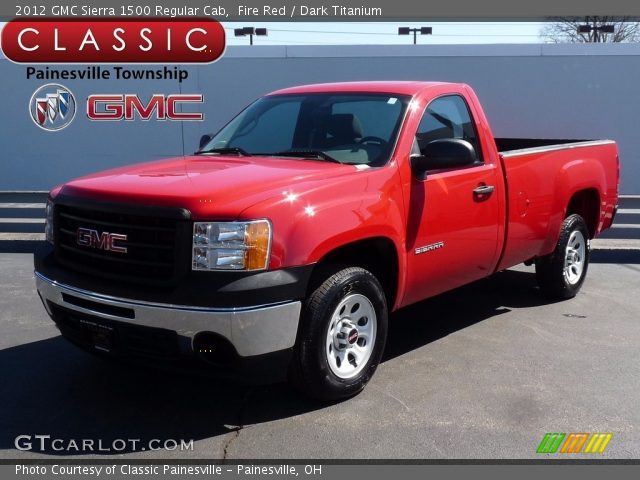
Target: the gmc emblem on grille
pixel 88 237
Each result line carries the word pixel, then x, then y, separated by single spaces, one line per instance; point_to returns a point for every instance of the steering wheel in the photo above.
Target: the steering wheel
pixel 376 140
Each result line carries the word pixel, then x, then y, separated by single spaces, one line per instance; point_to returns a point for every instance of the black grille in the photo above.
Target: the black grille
pixel 157 246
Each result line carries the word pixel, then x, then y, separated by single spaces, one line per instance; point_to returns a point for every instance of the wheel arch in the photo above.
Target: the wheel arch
pixel 586 203
pixel 378 255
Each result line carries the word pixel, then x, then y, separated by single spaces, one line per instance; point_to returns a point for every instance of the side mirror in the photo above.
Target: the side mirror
pixel 204 139
pixel 443 154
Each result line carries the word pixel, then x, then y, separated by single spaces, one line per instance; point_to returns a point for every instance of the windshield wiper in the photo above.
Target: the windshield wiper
pixel 304 153
pixel 225 151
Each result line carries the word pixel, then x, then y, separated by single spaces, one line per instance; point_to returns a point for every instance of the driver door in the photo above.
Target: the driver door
pixel 452 232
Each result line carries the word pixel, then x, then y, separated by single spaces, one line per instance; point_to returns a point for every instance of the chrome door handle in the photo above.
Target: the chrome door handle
pixel 484 190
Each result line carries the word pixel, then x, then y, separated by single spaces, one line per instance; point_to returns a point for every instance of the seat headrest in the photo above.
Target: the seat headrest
pixel 344 126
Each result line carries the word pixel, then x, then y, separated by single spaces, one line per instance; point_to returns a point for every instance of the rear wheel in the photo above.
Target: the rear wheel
pixel 342 336
pixel 561 274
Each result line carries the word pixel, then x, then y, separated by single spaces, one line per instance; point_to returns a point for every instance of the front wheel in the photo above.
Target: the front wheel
pixel 561 274
pixel 342 336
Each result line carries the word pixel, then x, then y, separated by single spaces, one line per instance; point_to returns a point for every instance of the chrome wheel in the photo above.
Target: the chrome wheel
pixel 560 274
pixel 351 336
pixel 574 259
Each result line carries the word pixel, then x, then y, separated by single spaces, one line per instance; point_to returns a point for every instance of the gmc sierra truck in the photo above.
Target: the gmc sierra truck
pixel 282 245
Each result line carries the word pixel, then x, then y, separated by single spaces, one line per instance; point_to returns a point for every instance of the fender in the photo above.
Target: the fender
pixel 309 225
pixel 581 174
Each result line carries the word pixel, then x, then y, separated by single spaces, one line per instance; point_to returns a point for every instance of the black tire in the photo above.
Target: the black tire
pixel 310 372
pixel 551 272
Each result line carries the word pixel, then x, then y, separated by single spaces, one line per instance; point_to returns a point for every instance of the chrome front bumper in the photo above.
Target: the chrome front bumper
pixel 252 330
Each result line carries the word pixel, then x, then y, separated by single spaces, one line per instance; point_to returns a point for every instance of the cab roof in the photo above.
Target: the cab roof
pixel 394 87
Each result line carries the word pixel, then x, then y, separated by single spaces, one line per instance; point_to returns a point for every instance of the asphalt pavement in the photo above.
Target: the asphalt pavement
pixel 478 373
pixel 481 372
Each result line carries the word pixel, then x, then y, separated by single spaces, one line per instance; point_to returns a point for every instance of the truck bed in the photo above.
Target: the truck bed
pixel 541 175
pixel 505 145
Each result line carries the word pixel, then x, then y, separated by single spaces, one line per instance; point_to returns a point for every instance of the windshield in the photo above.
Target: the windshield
pixel 351 128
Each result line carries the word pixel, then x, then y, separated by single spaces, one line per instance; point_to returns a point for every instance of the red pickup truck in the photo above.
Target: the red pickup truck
pixel 284 242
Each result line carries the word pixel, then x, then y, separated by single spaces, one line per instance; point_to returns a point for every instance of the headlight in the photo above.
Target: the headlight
pixel 231 245
pixel 48 221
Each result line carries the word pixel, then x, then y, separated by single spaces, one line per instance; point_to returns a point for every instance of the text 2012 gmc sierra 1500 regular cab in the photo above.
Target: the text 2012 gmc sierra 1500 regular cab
pixel 285 241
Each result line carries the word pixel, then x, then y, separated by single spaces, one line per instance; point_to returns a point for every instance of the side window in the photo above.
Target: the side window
pixel 448 117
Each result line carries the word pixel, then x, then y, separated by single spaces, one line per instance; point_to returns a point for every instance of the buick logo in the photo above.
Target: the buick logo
pixel 87 237
pixel 52 107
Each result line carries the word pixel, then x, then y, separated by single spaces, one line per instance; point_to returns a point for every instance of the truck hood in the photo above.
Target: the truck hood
pixel 206 185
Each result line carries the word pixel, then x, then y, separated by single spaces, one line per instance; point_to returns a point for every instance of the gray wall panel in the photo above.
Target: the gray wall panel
pixel 574 91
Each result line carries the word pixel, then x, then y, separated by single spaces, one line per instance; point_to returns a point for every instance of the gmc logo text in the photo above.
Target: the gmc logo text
pixel 88 237
pixel 125 106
